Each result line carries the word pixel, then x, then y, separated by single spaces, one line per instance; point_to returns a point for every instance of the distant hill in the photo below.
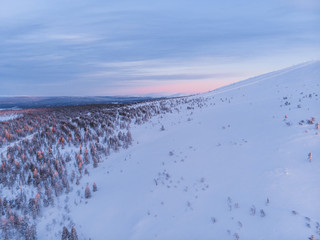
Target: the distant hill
pixel 37 102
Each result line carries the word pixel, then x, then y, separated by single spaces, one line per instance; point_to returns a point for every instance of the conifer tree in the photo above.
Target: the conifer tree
pixel 87 192
pixel 73 235
pixel 65 234
pixel 94 187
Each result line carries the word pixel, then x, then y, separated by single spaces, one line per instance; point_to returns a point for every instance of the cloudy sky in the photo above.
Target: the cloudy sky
pixel 132 47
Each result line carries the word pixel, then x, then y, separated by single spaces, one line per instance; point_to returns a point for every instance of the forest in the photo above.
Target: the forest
pixel 45 151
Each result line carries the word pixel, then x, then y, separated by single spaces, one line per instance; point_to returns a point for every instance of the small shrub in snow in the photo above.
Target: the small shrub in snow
pixel 77 181
pixel 162 128
pixel 236 236
pixel 253 210
pixel 267 201
pixel 311 121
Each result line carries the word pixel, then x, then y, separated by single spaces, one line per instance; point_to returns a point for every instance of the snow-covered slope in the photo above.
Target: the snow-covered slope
pixel 234 166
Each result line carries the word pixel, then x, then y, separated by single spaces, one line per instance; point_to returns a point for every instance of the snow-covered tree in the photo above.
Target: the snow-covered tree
pixel 65 234
pixel 73 234
pixel 87 192
pixel 94 187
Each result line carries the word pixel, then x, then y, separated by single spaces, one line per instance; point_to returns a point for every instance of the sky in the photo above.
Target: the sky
pixel 138 47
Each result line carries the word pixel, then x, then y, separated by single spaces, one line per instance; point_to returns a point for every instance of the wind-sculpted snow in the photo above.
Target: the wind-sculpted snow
pixel 241 162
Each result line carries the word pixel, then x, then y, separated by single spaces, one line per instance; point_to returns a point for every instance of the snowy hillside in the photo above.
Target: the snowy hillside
pixel 240 162
pixel 236 167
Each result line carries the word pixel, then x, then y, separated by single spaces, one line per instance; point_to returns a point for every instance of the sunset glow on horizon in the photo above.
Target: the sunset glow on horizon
pixel 183 87
pixel 80 48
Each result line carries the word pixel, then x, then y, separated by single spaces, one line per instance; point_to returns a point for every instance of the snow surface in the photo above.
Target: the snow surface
pixel 199 178
pixel 7 117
